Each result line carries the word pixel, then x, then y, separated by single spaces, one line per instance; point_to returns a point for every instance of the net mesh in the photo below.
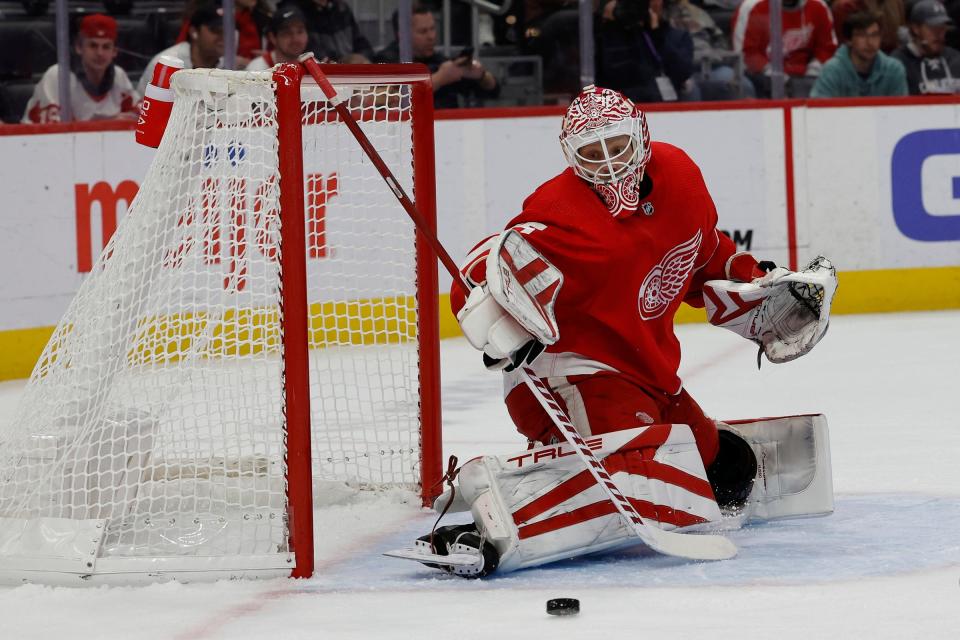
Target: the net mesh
pixel 158 405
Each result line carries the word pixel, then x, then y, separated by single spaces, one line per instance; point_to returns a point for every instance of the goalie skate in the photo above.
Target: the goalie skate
pixel 457 549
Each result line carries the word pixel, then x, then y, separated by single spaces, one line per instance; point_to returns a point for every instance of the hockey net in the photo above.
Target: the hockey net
pixel 156 435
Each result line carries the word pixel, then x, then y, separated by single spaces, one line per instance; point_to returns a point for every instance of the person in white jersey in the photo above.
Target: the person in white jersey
pixel 99 89
pixel 203 48
pixel 287 35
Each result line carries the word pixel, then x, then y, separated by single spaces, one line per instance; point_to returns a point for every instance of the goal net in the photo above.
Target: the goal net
pixel 238 313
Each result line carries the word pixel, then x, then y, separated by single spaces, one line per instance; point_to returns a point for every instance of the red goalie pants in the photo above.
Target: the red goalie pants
pixel 602 402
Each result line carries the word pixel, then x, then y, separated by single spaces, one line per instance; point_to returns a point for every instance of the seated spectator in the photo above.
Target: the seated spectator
pixel 250 17
pixel 203 48
pixel 287 35
pixel 932 67
pixel 334 33
pixel 808 39
pixel 553 33
pixel 98 87
pixel 711 51
pixel 889 12
pixel 462 81
pixel 859 68
pixel 639 54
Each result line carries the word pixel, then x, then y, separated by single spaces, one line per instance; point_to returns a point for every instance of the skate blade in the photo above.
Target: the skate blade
pixel 452 560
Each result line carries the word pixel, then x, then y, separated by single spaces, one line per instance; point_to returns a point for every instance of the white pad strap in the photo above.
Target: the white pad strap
pixel 541 505
pixel 526 284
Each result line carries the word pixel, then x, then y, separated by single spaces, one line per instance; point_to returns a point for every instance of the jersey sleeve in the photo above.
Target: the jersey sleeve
pixel 751 35
pixel 44 104
pixel 824 39
pixel 129 99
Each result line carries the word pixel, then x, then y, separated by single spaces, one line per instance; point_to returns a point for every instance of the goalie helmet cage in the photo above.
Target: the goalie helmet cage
pixel 238 313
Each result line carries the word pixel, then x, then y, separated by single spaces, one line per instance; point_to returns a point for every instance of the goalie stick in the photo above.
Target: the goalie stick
pixel 695 547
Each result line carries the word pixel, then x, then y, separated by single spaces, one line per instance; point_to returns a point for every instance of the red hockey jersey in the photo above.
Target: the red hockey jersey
pixel 624 278
pixel 808 35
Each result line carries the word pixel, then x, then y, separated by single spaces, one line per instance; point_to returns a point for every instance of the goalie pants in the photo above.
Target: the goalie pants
pixel 605 402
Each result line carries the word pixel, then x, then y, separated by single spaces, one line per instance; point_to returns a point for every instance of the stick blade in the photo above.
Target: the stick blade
pixel 690 545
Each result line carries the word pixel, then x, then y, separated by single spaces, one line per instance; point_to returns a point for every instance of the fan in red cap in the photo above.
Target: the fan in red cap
pixel 98 88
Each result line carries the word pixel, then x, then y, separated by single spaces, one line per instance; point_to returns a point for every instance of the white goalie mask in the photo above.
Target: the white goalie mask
pixel 606 142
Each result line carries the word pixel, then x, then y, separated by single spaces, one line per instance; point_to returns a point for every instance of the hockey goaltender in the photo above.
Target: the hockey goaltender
pixel 581 290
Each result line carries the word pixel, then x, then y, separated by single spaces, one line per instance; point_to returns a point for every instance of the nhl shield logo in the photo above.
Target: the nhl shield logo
pixel 647 208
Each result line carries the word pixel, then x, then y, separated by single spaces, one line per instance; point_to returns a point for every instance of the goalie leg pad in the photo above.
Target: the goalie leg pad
pixel 541 505
pixel 794 476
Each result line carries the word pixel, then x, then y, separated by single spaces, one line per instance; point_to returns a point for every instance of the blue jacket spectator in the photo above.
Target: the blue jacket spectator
pixel 859 68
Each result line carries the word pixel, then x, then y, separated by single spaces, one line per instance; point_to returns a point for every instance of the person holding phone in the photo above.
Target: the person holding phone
pixel 461 81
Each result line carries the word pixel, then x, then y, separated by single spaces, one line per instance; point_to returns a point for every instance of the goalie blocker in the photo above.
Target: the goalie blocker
pixel 541 505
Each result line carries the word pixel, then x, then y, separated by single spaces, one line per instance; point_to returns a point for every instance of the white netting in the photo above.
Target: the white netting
pixel 157 409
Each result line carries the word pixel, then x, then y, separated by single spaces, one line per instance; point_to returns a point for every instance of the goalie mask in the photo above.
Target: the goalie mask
pixel 606 142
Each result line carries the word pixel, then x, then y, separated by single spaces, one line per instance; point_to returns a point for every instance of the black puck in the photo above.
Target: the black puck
pixel 563 606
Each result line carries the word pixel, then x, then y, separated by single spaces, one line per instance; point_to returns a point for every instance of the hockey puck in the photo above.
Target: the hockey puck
pixel 563 606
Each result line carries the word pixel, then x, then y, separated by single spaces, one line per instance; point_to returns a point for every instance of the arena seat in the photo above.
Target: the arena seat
pixel 14 96
pixel 137 40
pixel 14 42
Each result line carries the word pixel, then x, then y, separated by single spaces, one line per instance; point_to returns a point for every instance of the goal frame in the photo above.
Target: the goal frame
pixel 289 79
pixel 55 547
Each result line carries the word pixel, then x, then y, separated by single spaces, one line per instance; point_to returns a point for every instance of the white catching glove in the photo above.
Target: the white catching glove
pixel 784 312
pixel 489 328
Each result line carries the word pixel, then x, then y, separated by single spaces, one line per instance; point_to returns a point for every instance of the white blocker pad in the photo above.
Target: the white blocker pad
pixel 543 505
pixel 526 284
pixel 794 474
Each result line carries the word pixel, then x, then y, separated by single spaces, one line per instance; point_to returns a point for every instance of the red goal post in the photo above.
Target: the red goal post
pixel 245 340
pixel 289 80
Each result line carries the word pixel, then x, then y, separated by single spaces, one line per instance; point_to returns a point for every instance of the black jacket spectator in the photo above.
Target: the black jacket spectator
pixel 333 30
pixel 932 67
pixel 463 93
pixel 631 56
pixel 928 74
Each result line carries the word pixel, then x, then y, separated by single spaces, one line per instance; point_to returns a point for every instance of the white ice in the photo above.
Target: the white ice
pixel 886 564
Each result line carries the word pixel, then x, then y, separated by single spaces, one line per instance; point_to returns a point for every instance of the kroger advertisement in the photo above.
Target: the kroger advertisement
pixel 875 188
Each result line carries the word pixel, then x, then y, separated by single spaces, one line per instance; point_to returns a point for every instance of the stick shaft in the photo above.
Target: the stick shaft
pixel 313 68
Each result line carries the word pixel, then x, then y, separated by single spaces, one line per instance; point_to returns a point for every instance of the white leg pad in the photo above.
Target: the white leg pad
pixel 794 474
pixel 542 505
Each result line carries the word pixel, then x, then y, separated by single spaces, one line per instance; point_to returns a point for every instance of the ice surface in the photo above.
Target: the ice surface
pixel 885 565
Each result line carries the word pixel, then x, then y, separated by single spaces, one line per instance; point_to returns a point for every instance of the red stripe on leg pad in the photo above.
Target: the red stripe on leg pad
pixel 644 508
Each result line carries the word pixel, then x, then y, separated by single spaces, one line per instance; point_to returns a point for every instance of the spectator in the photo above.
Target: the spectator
pixel 859 68
pixel 202 50
pixel 932 67
pixel 460 80
pixel 287 35
pixel 250 17
pixel 711 51
pixel 553 33
pixel 98 87
pixel 808 40
pixel 640 54
pixel 334 33
pixel 890 13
